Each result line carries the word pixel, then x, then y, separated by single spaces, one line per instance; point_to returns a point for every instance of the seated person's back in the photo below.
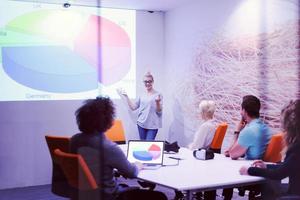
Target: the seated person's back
pixel 254 137
pixel 205 133
pixel 101 155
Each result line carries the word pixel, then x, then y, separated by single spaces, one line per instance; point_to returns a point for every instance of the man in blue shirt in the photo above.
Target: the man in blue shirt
pixel 251 136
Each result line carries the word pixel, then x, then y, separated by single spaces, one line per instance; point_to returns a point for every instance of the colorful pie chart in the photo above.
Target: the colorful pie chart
pixel 153 153
pixel 65 52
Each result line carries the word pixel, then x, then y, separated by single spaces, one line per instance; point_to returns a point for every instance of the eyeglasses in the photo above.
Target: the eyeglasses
pixel 149 81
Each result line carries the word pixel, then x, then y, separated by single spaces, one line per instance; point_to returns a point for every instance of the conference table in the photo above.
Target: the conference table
pixel 192 175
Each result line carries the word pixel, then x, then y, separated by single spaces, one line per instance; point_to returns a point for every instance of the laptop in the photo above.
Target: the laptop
pixel 150 153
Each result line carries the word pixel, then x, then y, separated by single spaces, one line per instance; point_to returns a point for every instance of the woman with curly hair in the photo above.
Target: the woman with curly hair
pixel 103 156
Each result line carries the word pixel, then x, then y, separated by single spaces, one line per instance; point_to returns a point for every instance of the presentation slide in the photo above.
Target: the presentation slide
pixel 48 52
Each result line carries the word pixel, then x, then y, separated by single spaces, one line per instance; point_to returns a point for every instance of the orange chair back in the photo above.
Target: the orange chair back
pixel 217 141
pixel 274 148
pixel 57 142
pixel 59 185
pixel 76 170
pixel 116 132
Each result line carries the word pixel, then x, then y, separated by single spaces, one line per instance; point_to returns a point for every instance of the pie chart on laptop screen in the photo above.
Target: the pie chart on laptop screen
pixel 152 153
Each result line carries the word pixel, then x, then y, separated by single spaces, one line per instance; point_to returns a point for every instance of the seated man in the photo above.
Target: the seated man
pixel 290 116
pixel 251 136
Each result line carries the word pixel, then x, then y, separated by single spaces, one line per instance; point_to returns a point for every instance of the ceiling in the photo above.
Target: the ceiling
pixel 149 5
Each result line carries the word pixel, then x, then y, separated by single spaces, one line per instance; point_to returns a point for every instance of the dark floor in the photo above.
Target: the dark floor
pixel 43 192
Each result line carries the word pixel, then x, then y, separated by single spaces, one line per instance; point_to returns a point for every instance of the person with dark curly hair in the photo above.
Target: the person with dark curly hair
pixel 290 119
pixel 103 156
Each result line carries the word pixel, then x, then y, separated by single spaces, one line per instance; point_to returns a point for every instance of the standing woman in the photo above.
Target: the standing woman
pixel 149 106
pixel 291 164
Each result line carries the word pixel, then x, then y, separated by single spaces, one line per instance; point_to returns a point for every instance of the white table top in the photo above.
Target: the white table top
pixel 192 174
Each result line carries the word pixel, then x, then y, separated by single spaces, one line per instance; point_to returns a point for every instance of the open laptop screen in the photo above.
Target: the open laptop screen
pixel 146 152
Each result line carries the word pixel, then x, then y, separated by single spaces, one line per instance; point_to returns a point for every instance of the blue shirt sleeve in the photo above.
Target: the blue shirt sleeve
pixel 245 138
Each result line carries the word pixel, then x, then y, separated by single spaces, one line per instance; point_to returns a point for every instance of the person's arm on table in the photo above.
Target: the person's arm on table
pixel 276 172
pixel 118 161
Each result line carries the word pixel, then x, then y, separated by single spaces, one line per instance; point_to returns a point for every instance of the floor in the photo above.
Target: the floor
pixel 43 192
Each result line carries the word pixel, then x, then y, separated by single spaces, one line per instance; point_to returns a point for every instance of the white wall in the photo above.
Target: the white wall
pixel 183 29
pixel 25 160
pixel 207 44
pixel 150 57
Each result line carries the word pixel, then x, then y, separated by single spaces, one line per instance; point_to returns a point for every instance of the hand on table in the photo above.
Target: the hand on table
pixel 139 165
pixel 259 164
pixel 244 170
pixel 226 153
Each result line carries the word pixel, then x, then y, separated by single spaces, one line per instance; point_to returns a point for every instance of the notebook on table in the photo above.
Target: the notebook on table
pixel 150 153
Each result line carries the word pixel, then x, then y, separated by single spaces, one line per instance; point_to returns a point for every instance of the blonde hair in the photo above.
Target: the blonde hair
pixel 207 108
pixel 149 75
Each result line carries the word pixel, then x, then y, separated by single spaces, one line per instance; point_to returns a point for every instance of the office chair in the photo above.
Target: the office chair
pixel 217 141
pixel 84 186
pixel 59 184
pixel 274 148
pixel 272 154
pixel 116 133
pixel 80 178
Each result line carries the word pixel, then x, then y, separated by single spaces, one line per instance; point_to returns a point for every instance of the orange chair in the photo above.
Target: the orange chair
pixel 272 154
pixel 80 178
pixel 116 133
pixel 59 185
pixel 217 141
pixel 84 186
pixel 274 148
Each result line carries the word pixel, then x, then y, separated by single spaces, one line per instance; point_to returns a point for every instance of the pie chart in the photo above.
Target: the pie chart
pixel 152 153
pixel 65 52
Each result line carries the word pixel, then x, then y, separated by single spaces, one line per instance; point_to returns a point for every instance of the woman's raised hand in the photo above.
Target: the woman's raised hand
pixel 158 99
pixel 122 92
